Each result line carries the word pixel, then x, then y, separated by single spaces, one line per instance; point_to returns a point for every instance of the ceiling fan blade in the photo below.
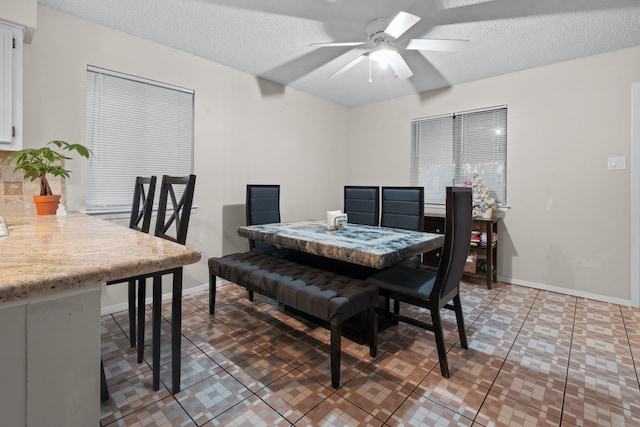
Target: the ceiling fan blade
pixel 400 67
pixel 440 45
pixel 400 24
pixel 349 66
pixel 336 44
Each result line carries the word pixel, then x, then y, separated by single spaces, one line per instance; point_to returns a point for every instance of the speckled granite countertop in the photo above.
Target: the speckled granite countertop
pixel 45 254
pixel 377 247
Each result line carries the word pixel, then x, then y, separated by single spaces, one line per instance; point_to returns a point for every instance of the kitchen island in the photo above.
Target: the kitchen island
pixel 51 270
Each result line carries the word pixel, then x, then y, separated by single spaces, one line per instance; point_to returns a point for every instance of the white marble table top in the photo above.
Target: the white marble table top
pixel 377 247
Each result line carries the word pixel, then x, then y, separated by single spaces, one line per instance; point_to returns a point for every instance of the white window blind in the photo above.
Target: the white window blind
pixel 446 150
pixel 135 127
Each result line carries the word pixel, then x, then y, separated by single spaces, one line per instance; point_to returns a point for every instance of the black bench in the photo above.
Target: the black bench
pixel 323 294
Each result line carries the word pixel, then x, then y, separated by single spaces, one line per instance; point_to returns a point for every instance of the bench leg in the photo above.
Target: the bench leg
pixel 212 293
pixel 336 335
pixel 372 332
pixel 250 294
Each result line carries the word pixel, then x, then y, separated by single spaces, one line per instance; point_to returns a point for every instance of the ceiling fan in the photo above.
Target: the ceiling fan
pixel 386 43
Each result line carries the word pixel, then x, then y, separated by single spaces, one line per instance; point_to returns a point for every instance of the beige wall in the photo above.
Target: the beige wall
pixel 568 227
pixel 21 12
pixel 241 136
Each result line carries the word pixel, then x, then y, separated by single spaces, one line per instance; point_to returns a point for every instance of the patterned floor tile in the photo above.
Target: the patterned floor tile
pixel 604 330
pixel 251 412
pixel 613 365
pixel 583 410
pixel 109 326
pixel 473 366
pixel 621 391
pixel 164 413
pixel 186 348
pixel 232 350
pixel 543 393
pixel 553 348
pixel 549 330
pixel 459 395
pixel 130 396
pixel 209 398
pixel 407 372
pixel 338 411
pixel 294 395
pixel 123 366
pixel 519 343
pixel 319 368
pixel 115 345
pixel 374 393
pixel 602 345
pixel 195 367
pixel 420 411
pixel 534 365
pixel 259 370
pixel 501 411
pixel 488 346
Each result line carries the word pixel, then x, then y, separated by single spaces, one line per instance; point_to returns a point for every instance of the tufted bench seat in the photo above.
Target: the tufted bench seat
pixel 322 294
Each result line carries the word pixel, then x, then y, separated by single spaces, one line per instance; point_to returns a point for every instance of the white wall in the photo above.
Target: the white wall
pixel 568 228
pixel 569 225
pixel 241 137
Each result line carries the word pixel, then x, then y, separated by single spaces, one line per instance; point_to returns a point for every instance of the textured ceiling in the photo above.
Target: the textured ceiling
pixel 270 38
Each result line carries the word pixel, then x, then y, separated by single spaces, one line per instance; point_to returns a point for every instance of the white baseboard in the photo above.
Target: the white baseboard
pixel 565 291
pixel 544 287
pixel 124 306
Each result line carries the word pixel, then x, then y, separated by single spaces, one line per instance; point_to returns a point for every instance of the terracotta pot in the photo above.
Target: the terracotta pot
pixel 46 205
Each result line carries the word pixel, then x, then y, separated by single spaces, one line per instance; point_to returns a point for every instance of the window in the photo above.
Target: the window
pixel 135 127
pixel 448 149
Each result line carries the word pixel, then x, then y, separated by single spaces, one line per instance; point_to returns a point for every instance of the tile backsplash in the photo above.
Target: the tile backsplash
pixel 15 190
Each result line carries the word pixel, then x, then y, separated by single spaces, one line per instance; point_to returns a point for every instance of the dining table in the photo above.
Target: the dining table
pixel 52 272
pixel 364 245
pixel 360 250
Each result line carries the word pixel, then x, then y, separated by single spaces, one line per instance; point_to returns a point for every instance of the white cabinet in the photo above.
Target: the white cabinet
pixel 11 39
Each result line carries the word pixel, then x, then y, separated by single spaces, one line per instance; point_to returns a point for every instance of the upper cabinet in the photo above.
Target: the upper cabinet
pixel 11 39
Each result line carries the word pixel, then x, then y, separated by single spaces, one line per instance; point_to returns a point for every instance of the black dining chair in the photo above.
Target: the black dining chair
pixel 172 223
pixel 439 289
pixel 262 207
pixel 140 219
pixel 362 204
pixel 403 207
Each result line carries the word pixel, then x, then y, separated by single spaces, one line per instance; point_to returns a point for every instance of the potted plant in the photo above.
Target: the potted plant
pixel 37 163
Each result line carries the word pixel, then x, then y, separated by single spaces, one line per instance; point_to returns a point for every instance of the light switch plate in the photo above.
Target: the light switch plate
pixel 616 163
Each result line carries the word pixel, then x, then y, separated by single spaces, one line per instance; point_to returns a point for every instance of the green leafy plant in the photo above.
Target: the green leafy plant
pixel 36 163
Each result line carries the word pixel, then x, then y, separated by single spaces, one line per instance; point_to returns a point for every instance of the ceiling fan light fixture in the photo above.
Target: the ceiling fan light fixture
pixel 384 54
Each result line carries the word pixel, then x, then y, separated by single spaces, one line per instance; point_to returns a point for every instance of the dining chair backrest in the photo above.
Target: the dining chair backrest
pixel 457 239
pixel 263 204
pixel 403 207
pixel 362 204
pixel 142 206
pixel 172 220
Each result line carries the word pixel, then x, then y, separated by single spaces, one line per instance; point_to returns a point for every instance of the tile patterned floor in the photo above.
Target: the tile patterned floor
pixel 534 358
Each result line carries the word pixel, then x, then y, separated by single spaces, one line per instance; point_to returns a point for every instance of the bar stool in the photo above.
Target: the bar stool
pixel 140 220
pixel 172 223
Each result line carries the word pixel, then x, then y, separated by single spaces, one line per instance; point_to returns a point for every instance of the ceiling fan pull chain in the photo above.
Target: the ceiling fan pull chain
pixel 370 80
